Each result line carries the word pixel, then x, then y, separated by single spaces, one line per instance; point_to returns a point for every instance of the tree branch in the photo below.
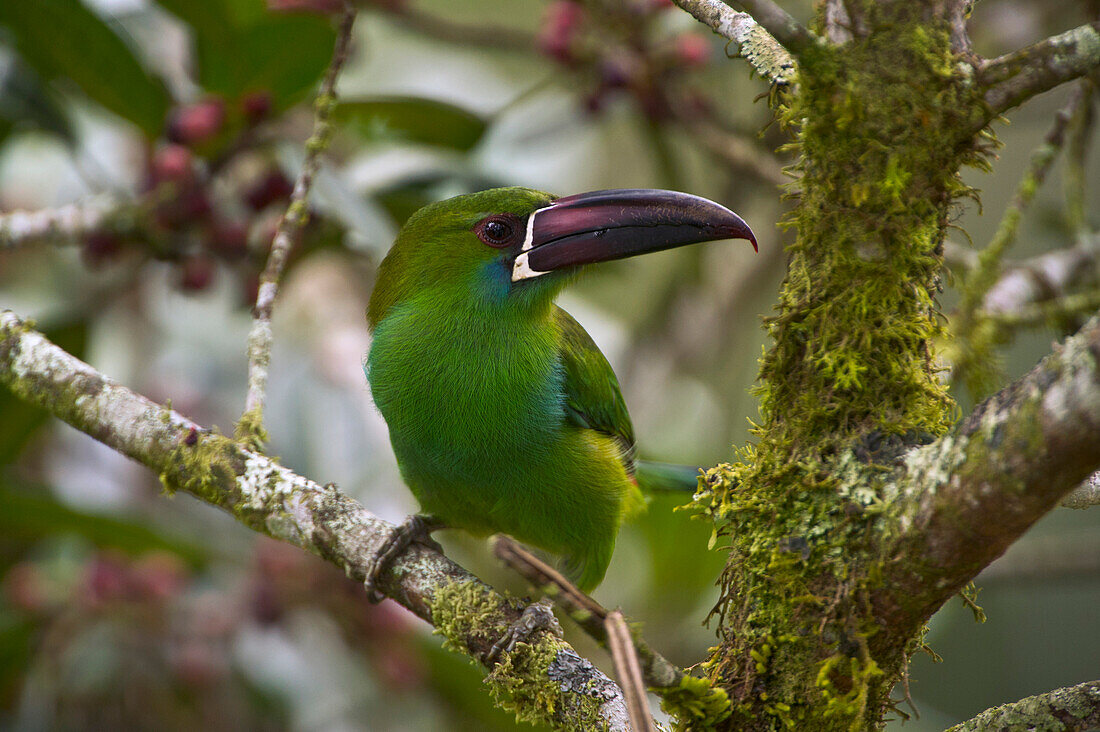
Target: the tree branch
pixel 1085 495
pixel 770 59
pixel 781 25
pixel 544 681
pixel 288 230
pixel 66 222
pixel 966 497
pixel 1072 709
pixel 1014 78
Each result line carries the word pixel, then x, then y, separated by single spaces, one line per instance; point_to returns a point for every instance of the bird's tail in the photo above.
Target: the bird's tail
pixel 666 478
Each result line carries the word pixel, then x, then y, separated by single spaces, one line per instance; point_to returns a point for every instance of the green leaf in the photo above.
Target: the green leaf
pixel 242 47
pixel 24 102
pixel 30 514
pixel 413 119
pixel 64 39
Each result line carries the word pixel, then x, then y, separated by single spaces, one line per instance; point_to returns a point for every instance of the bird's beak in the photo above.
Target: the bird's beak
pixel 605 225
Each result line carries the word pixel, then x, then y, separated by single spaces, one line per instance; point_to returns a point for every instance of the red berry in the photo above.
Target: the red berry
pixel 229 239
pixel 195 123
pixel 171 163
pixel 196 273
pixel 273 186
pixel 693 50
pixel 106 579
pixel 561 25
pixel 25 588
pixel 99 247
pixel 256 106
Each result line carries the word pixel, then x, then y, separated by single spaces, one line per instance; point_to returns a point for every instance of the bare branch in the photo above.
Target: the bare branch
pixel 1014 78
pixel 1085 495
pixel 1042 278
pixel 966 497
pixel 770 59
pixel 1077 149
pixel 957 12
pixel 67 222
pixel 1072 709
pixel 1063 308
pixel 271 499
pixel 630 674
pixel 290 227
pixel 838 22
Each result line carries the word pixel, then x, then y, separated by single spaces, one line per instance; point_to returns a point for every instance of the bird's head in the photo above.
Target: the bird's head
pixel 520 246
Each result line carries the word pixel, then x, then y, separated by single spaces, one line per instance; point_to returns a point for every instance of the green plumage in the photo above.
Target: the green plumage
pixel 503 414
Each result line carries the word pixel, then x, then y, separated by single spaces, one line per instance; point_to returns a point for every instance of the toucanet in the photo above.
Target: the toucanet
pixel 503 413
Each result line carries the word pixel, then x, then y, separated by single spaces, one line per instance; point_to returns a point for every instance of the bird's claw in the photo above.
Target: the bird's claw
pixel 416 529
pixel 536 616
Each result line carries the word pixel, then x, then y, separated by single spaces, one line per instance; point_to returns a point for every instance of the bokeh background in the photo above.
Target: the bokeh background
pixel 122 607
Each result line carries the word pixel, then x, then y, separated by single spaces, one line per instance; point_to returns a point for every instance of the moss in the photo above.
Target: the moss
pixel 206 468
pixel 696 704
pixel 523 682
pixel 883 125
pixel 250 430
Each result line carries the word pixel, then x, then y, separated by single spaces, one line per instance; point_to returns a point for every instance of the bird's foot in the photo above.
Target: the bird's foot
pixel 416 529
pixel 536 616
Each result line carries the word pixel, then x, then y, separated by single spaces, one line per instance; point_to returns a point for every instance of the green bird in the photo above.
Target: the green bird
pixel 504 415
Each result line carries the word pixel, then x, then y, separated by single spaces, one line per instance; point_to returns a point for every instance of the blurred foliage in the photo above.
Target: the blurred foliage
pixel 123 608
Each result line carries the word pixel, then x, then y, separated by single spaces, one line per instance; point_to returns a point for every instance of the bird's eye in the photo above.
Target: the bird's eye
pixel 497 231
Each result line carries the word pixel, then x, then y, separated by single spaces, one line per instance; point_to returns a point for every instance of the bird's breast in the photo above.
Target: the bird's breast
pixel 466 396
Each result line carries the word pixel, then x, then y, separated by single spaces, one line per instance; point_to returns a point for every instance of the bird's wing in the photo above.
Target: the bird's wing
pixel 592 394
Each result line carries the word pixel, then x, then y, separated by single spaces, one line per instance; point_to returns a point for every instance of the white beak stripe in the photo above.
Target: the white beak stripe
pixel 521 269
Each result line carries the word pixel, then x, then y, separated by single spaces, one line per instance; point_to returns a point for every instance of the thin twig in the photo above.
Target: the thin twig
pixel 250 426
pixel 1080 135
pixel 582 609
pixel 1042 158
pixel 971 344
pixel 628 672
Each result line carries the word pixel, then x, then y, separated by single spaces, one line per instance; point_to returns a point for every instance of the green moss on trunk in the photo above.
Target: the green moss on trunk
pixel 851 379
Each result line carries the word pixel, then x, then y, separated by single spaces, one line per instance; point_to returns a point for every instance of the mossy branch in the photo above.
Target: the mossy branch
pixel 781 25
pixel 969 495
pixel 1072 709
pixel 544 681
pixel 763 51
pixel 1012 79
